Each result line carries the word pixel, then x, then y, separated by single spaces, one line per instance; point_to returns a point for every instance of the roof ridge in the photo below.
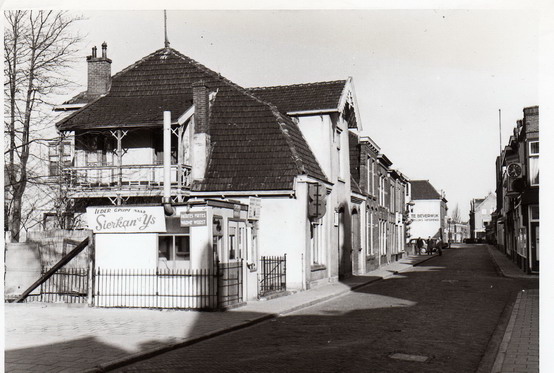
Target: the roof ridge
pixel 298 84
pixel 281 119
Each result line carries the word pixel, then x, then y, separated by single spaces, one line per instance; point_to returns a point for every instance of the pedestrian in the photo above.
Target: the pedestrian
pixel 419 245
pixel 439 246
pixel 430 246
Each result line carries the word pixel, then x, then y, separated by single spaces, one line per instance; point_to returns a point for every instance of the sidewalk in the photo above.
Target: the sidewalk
pixel 519 349
pixel 96 339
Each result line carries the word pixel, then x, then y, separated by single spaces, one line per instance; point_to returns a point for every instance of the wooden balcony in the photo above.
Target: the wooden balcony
pixel 126 180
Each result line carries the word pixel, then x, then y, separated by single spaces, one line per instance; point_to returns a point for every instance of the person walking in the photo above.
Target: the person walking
pixel 430 246
pixel 419 245
pixel 439 246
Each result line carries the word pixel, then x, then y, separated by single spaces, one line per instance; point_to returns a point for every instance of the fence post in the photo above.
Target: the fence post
pixel 285 271
pixel 90 287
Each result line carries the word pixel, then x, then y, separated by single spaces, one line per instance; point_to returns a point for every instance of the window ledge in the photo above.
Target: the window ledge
pixel 318 267
pixel 341 179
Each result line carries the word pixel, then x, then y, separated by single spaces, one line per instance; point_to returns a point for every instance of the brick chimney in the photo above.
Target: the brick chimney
pixel 99 72
pixel 201 134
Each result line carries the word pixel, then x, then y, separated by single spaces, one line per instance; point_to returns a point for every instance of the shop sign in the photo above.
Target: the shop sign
pixel 254 207
pixel 121 219
pixel 425 217
pixel 194 219
pixel 236 211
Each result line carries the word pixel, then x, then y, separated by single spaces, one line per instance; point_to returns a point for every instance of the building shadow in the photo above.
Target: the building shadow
pixel 444 310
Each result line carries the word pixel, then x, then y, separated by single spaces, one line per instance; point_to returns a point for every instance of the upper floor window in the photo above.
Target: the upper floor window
pixel 338 140
pixel 534 162
pixel 370 176
pixel 54 150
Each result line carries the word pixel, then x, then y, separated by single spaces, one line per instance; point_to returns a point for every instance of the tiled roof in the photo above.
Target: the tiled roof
pixel 81 98
pixel 253 146
pixel 422 189
pixel 303 97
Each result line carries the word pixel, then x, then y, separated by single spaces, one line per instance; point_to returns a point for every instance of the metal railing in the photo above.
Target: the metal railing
pixel 126 177
pixel 170 288
pixel 66 285
pixel 273 275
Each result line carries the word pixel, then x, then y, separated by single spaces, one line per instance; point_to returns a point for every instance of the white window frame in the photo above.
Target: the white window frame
pixel 533 157
pixel 170 262
pixel 315 243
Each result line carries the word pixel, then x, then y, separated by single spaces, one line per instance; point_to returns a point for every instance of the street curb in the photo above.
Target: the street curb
pixel 501 355
pixel 501 272
pixel 490 357
pixel 106 367
pixel 497 267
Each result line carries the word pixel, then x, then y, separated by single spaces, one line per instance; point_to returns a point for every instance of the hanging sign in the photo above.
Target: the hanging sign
pixel 123 219
pixel 194 218
pixel 254 207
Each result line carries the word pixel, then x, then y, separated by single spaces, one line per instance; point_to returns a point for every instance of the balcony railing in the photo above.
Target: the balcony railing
pixel 126 177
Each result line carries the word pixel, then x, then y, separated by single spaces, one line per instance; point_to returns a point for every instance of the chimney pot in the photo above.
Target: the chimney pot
pixel 104 50
pixel 99 73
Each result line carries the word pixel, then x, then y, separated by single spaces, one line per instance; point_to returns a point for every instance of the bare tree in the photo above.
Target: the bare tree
pixel 39 46
pixel 456 216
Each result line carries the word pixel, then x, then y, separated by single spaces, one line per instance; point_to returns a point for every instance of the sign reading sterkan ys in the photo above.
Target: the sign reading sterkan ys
pixel 126 219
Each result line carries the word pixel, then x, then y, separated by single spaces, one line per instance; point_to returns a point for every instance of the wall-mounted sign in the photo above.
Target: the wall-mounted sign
pixel 424 217
pixel 194 219
pixel 236 211
pixel 123 219
pixel 254 207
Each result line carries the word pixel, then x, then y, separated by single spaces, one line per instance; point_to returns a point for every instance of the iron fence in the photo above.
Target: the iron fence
pixel 205 289
pixel 273 275
pixel 67 285
pixel 230 284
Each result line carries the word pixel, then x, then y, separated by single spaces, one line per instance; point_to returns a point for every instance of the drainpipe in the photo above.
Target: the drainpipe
pixel 167 163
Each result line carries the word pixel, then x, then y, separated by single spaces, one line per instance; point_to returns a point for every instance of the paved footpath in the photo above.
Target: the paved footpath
pixel 76 338
pixel 519 350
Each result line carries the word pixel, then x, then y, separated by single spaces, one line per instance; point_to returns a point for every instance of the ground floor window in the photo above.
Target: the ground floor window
pixel 315 243
pixel 369 239
pixel 173 251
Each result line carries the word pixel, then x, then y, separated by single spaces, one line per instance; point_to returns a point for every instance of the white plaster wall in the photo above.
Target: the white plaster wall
pixel 317 131
pixel 283 225
pixel 126 250
pixel 421 227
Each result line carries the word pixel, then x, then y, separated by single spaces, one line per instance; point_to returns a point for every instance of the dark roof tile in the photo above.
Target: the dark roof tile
pixel 254 146
pixel 422 189
pixel 303 97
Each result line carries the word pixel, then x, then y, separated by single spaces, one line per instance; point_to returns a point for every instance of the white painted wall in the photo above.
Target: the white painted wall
pixel 126 250
pixel 317 131
pixel 425 226
pixel 283 231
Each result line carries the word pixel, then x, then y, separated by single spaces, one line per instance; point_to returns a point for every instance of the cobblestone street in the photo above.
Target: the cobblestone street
pixel 437 317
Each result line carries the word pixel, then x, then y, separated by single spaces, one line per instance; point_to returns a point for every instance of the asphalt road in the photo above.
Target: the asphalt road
pixel 437 317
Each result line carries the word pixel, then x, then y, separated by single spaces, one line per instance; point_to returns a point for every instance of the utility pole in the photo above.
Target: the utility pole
pixel 166 42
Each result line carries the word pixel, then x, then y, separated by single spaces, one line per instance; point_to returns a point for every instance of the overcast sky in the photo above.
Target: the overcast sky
pixel 429 83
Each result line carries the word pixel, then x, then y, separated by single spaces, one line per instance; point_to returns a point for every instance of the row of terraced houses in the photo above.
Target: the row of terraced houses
pixel 177 170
